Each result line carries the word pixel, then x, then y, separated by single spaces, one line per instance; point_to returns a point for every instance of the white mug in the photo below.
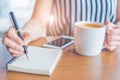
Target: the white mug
pixel 89 38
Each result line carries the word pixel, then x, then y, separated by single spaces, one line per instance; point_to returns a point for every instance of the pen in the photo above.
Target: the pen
pixel 14 22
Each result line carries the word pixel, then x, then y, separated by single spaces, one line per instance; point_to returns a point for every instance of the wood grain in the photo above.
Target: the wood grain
pixel 72 66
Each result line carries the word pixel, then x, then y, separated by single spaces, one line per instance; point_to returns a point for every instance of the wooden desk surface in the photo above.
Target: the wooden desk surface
pixel 71 66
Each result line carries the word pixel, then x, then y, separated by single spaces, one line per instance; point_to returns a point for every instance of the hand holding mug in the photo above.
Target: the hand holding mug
pixel 112 40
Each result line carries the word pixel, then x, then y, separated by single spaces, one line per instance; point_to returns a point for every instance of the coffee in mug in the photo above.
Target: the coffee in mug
pixel 92 25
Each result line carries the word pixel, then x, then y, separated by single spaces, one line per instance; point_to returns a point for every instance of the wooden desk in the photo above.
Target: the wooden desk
pixel 105 66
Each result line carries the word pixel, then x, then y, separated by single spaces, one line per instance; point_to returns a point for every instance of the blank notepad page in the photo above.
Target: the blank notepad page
pixel 41 61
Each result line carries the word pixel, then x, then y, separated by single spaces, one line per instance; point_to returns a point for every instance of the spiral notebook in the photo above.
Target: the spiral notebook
pixel 41 61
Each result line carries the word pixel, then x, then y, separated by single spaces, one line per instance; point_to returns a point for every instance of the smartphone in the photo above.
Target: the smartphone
pixel 61 42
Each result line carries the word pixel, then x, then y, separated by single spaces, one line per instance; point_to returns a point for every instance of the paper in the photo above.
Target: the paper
pixel 41 61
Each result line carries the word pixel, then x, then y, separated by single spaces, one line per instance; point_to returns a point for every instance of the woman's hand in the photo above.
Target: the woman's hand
pixel 14 44
pixel 112 40
pixel 32 31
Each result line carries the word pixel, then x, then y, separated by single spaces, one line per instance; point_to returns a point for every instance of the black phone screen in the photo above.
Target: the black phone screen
pixel 60 41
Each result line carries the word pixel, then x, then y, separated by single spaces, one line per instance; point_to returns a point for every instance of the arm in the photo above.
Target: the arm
pixel 112 41
pixel 42 11
pixel 118 11
pixel 32 30
pixel 36 26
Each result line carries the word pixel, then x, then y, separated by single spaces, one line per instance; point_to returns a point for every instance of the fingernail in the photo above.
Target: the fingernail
pixel 110 28
pixel 109 31
pixel 21 44
pixel 20 49
pixel 107 22
pixel 26 42
pixel 14 55
pixel 112 48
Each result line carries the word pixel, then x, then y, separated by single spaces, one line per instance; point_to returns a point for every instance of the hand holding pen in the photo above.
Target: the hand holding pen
pixel 13 20
pixel 13 42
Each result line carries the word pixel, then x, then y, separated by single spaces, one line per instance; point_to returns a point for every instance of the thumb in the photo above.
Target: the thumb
pixel 26 38
pixel 109 24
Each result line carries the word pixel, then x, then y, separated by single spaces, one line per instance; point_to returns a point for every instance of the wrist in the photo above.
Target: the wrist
pixel 34 29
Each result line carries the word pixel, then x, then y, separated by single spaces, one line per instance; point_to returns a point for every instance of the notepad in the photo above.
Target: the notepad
pixel 41 61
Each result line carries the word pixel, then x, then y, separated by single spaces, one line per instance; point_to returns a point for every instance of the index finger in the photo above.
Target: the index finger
pixel 12 34
pixel 110 25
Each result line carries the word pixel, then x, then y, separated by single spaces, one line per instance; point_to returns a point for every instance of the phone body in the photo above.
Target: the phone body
pixel 61 42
